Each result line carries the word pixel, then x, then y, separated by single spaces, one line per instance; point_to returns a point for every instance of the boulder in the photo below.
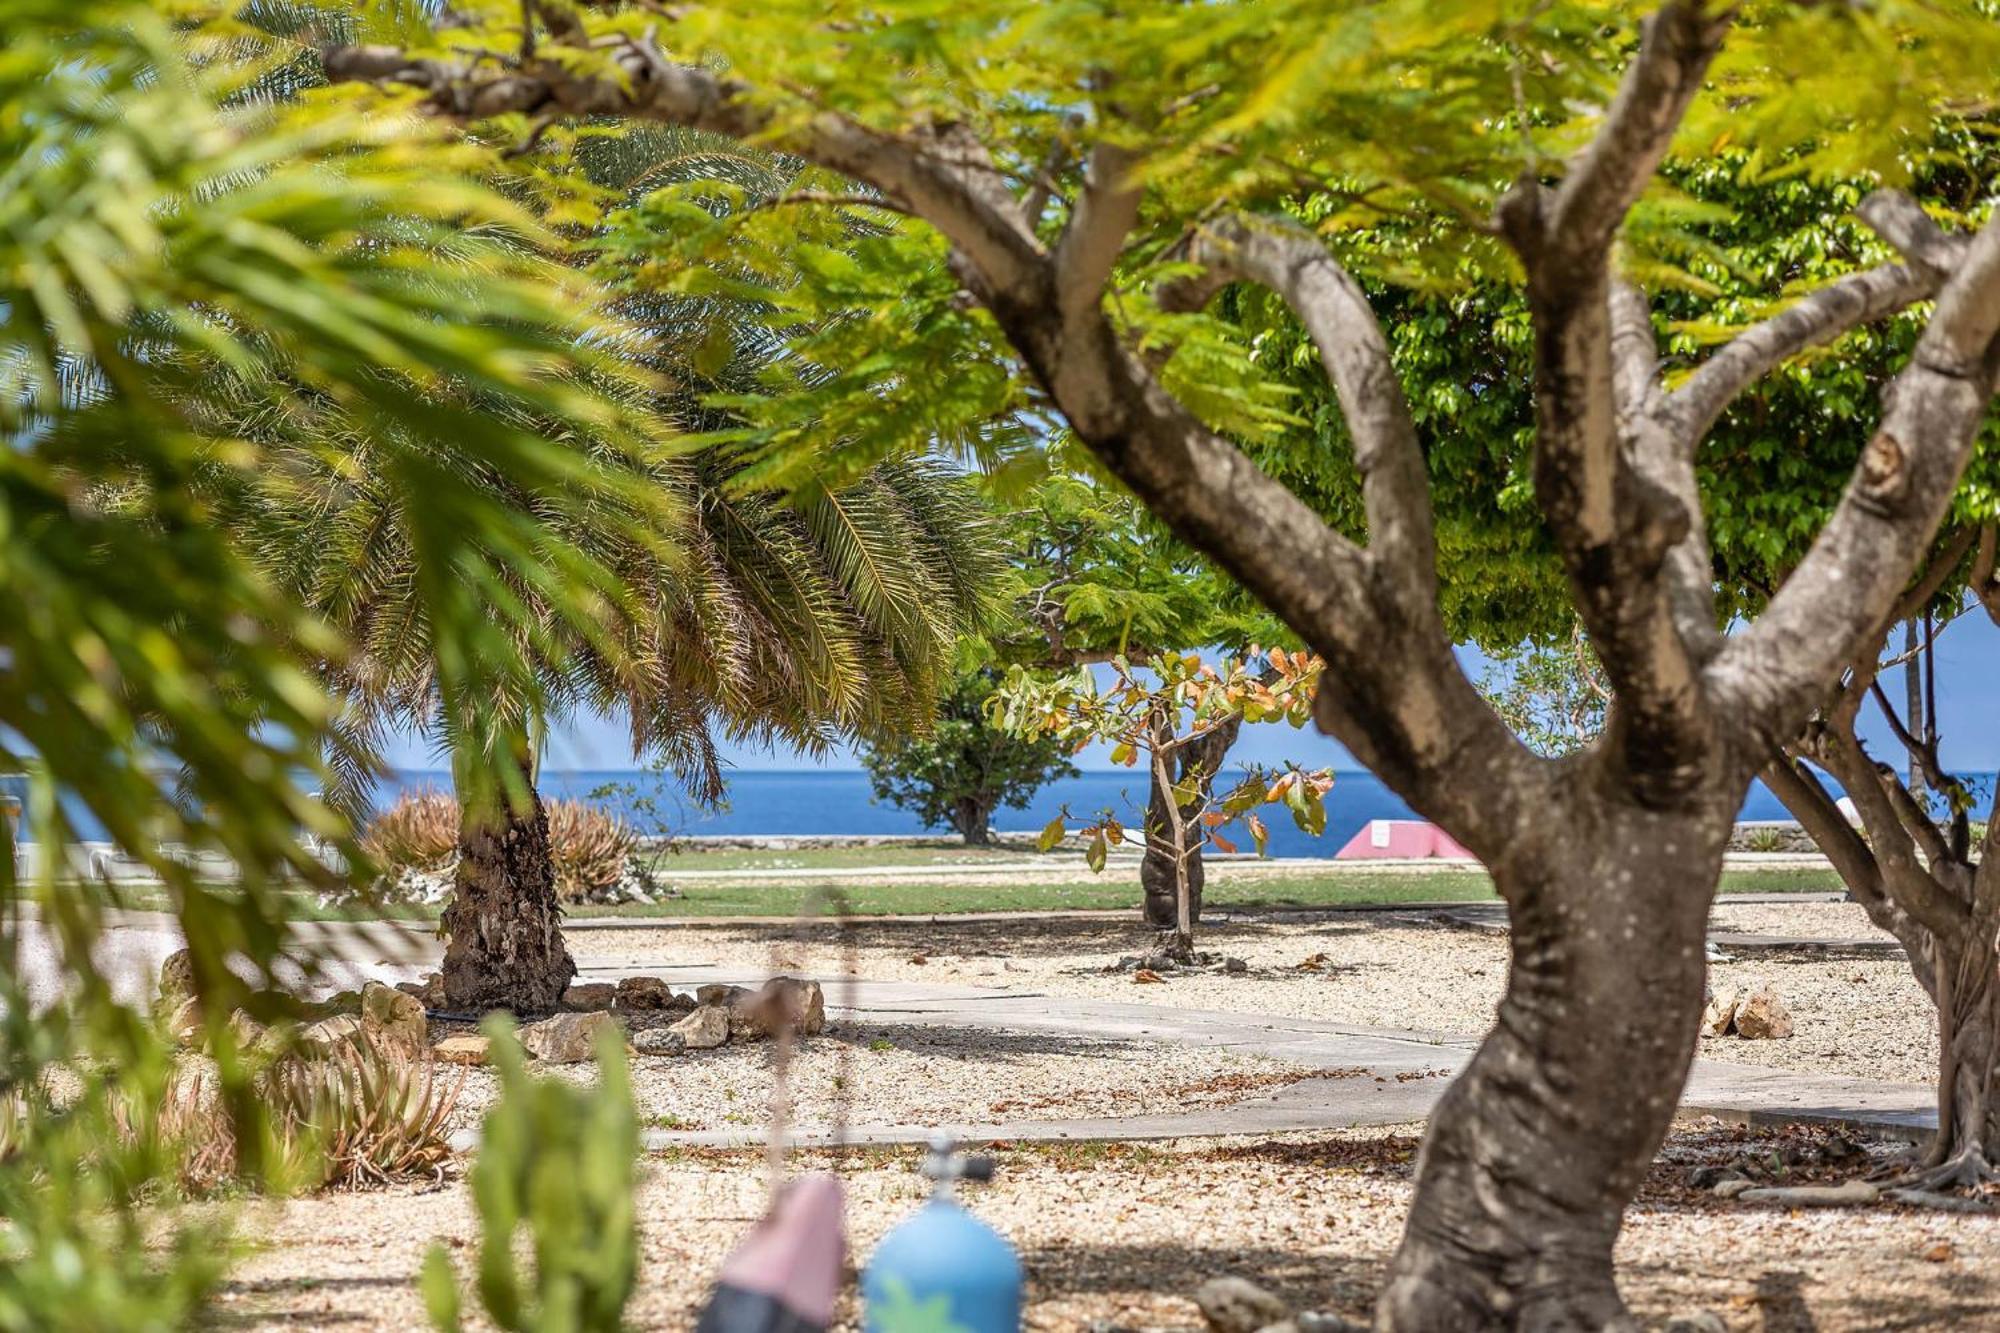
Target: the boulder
pixel 704 1029
pixel 567 1039
pixel 327 1036
pixel 1720 1013
pixel 176 979
pixel 783 1002
pixel 465 1049
pixel 1237 1305
pixel 336 1004
pixel 650 993
pixel 429 992
pixel 659 1041
pixel 391 1018
pixel 717 993
pixel 1762 1016
pixel 589 996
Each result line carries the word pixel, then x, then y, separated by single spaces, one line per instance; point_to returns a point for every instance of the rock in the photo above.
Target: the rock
pixel 1708 1177
pixel 1235 965
pixel 589 996
pixel 176 979
pixel 783 1002
pixel 327 1036
pixel 1850 1194
pixel 717 993
pixel 1159 962
pixel 1762 1016
pixel 465 1049
pixel 704 1029
pixel 429 992
pixel 1696 1321
pixel 392 1018
pixel 336 1004
pixel 1312 1322
pixel 1237 1305
pixel 1720 1013
pixel 567 1039
pixel 184 1023
pixel 650 993
pixel 1129 963
pixel 659 1041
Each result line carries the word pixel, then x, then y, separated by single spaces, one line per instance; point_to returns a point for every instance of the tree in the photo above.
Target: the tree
pixel 964 768
pixel 1103 581
pixel 1092 186
pixel 1181 722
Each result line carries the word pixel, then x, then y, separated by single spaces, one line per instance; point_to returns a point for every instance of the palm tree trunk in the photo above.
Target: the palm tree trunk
pixel 503 927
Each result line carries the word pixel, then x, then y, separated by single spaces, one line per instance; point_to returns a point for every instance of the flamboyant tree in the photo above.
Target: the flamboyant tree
pixel 1090 179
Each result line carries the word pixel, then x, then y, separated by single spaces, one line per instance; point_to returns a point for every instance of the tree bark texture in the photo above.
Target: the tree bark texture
pixel 1535 1150
pixel 1204 757
pixel 503 926
pixel 973 820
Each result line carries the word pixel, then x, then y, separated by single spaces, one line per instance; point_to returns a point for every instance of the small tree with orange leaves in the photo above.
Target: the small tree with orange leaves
pixel 1178 718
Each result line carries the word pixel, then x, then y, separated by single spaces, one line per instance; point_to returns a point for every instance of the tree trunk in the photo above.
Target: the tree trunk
pixel 1536 1149
pixel 1965 974
pixel 974 822
pixel 1157 874
pixel 503 927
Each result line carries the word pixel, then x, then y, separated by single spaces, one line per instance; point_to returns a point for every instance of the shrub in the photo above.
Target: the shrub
pixel 557 1162
pixel 590 849
pixel 419 832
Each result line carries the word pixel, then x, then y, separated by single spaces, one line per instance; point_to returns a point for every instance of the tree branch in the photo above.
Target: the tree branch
pixel 1106 212
pixel 1835 602
pixel 1986 571
pixel 1826 315
pixel 1326 299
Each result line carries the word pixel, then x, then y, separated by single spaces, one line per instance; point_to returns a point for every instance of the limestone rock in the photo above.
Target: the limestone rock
pixel 589 996
pixel 336 1004
pixel 659 1041
pixel 567 1039
pixel 704 1029
pixel 464 1049
pixel 392 1018
pixel 1237 1305
pixel 717 993
pixel 329 1034
pixel 783 1002
pixel 176 979
pixel 429 992
pixel 650 993
pixel 1763 1016
pixel 1720 1012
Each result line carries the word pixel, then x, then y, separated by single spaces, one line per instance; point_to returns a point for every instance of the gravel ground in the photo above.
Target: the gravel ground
pixel 908 1075
pixel 1853 1015
pixel 1123 1234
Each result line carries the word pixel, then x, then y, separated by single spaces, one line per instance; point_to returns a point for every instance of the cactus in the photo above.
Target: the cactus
pixel 559 1161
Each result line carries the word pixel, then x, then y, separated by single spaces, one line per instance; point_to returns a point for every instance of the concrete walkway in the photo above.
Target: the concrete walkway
pixel 1490 918
pixel 1368 1076
pixel 1371 1076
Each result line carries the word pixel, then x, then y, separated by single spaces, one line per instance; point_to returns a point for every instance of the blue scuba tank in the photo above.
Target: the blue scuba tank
pixel 943 1270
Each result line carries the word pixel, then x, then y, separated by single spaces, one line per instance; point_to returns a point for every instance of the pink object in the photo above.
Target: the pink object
pixel 1402 840
pixel 786 1273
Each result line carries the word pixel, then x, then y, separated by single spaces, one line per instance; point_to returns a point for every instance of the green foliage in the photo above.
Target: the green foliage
pixel 556 1170
pixel 964 768
pixel 1554 696
pixel 1153 716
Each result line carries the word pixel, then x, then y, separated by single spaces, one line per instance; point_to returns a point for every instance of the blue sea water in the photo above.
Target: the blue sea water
pixel 819 802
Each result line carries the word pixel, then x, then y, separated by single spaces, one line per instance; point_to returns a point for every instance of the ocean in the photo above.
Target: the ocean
pixel 818 801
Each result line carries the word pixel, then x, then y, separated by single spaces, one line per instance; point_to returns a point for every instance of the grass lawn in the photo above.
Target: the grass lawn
pixel 939 852
pixel 1117 890
pixel 1342 889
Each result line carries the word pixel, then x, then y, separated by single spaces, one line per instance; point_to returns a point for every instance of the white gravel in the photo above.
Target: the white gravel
pixel 1857 1016
pixel 928 1076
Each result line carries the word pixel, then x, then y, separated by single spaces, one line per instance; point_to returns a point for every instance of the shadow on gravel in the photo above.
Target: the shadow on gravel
pixel 1343 1284
pixel 1031 937
pixel 287 1291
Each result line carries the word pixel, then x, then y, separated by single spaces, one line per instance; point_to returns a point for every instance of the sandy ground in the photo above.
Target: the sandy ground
pixel 1118 1238
pixel 1854 1015
pixel 893 1074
